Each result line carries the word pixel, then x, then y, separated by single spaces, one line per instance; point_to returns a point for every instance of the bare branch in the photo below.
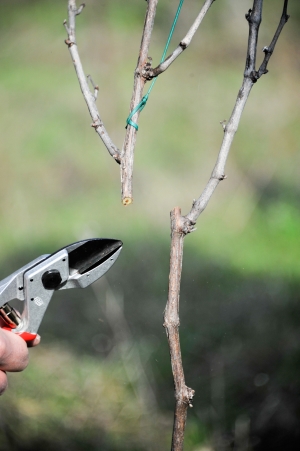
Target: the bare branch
pixel 218 171
pixel 127 154
pixel 150 73
pixel 254 18
pixel 269 50
pixel 88 96
pixel 184 395
pixel 183 225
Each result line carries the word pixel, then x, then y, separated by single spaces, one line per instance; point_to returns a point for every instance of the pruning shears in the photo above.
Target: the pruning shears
pixel 75 266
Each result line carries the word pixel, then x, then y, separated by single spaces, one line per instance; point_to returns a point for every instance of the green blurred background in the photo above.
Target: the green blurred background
pixel 101 378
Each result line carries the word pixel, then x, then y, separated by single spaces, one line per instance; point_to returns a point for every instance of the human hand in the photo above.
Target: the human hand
pixel 13 355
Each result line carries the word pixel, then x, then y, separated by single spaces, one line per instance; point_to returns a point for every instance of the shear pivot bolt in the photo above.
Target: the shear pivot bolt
pixel 51 279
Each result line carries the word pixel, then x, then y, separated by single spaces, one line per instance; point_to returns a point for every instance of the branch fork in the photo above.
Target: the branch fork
pixel 143 73
pixel 183 225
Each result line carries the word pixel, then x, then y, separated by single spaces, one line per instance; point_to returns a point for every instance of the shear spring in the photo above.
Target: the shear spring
pixel 10 316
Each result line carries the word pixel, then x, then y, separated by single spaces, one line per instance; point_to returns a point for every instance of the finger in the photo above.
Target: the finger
pixel 13 352
pixel 3 382
pixel 35 342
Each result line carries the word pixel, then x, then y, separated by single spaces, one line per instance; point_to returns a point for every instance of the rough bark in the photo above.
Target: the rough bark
pixel 183 225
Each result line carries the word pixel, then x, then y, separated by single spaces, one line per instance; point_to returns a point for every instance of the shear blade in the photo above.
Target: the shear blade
pixel 89 254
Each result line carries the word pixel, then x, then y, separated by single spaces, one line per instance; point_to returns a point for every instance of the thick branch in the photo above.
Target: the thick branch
pixel 182 225
pixel 127 155
pixel 184 43
pixel 90 98
pixel 183 394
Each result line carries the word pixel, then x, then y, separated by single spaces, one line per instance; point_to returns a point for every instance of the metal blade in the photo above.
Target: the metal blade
pixel 89 260
pixel 89 254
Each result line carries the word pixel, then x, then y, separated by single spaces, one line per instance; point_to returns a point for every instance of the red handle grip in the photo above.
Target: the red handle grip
pixel 27 336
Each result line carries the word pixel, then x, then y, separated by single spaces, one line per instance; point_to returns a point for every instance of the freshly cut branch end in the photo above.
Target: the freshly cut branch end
pixel 127 201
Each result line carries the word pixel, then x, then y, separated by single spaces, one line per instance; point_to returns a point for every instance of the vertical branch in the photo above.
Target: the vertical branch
pixel 253 17
pixel 183 225
pixel 127 154
pixel 183 394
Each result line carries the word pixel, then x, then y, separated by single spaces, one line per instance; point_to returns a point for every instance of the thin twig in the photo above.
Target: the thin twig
pixel 150 73
pixel 183 225
pixel 269 50
pixel 127 154
pixel 90 98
